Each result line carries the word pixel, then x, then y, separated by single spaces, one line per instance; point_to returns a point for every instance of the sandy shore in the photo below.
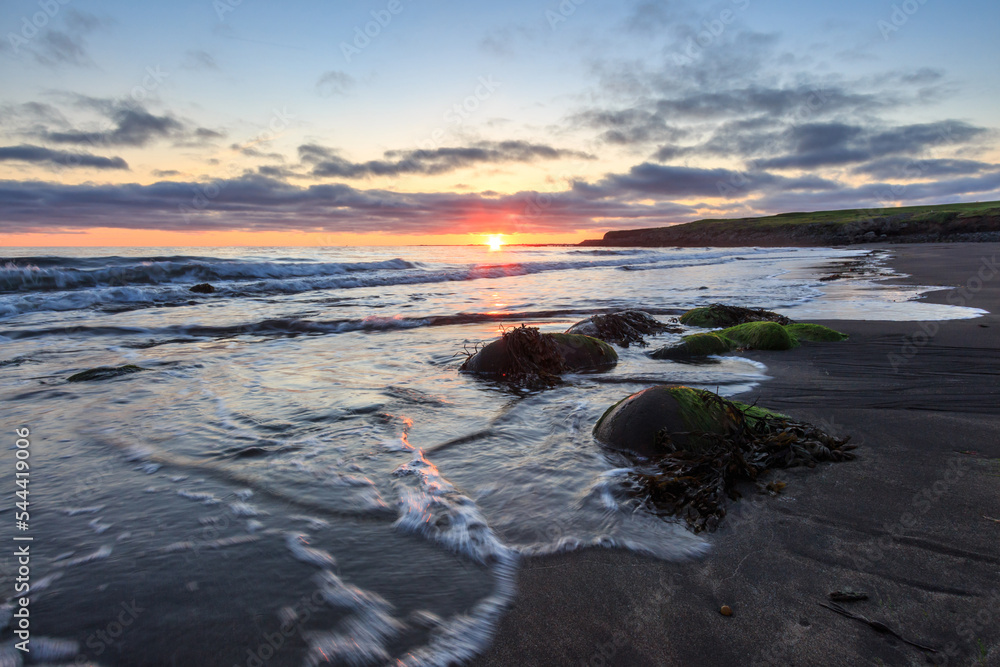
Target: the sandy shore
pixel 912 523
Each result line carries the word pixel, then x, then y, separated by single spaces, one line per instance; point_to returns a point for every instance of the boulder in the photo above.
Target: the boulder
pixel 747 336
pixel 525 356
pixel 693 449
pixel 202 288
pixel 665 419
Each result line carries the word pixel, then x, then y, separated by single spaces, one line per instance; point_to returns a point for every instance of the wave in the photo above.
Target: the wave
pixel 28 287
pixel 291 326
pixel 40 273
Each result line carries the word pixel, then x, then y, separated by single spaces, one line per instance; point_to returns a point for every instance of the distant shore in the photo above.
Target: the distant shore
pixel 914 523
pixel 979 222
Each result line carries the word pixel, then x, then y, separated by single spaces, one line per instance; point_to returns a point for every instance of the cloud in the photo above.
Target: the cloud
pixel 257 203
pixel 130 126
pixel 649 179
pixel 52 46
pixel 907 168
pixel 327 163
pixel 46 156
pixel 334 82
pixel 829 144
pixel 197 59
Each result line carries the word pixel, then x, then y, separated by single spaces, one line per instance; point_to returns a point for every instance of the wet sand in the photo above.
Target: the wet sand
pixel 913 522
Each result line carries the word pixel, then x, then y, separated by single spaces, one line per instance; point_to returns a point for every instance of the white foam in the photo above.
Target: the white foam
pixel 298 544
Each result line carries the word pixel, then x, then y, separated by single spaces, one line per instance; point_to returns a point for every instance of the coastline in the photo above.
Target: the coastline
pixel 911 522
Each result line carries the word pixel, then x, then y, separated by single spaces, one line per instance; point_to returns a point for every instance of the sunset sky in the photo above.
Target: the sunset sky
pixel 243 122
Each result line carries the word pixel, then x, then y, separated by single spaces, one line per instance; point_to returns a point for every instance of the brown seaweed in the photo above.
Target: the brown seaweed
pixel 696 485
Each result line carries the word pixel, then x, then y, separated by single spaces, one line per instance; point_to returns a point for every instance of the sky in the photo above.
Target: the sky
pixel 385 122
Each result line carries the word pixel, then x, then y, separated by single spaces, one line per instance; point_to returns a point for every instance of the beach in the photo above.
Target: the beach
pixel 296 471
pixel 911 522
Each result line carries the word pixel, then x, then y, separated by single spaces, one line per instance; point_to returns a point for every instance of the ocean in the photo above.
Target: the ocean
pixel 301 474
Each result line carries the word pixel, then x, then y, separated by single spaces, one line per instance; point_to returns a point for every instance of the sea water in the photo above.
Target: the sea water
pixel 301 474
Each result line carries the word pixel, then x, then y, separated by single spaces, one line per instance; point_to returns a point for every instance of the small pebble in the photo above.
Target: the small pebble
pixel 726 610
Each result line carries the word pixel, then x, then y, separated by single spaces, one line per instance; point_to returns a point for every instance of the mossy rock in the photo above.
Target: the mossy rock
pixel 665 419
pixel 760 336
pixel 104 373
pixel 748 336
pixel 695 345
pixel 814 333
pixel 697 447
pixel 720 316
pixel 523 354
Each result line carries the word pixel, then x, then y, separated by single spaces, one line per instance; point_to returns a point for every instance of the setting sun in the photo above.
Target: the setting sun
pixel 495 241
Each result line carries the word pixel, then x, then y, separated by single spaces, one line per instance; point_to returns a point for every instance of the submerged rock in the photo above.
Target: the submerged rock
pixel 695 446
pixel 524 356
pixel 202 288
pixel 104 373
pixel 622 328
pixel 748 336
pixel 721 315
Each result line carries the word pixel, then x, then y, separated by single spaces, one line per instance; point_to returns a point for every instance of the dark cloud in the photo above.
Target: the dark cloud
pixel 46 156
pixel 876 195
pixel 830 144
pixel 165 173
pixel 649 179
pixel 899 168
pixel 327 163
pixel 257 203
pixel 130 126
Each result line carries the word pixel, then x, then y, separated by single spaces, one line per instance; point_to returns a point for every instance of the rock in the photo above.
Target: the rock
pixel 622 328
pixel 203 288
pixel 104 373
pixel 760 336
pixel 747 336
pixel 525 356
pixel 721 315
pixel 660 420
pixel 726 610
pixel 695 345
pixel 696 447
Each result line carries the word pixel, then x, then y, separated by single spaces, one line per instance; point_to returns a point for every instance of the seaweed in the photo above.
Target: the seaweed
pixel 745 442
pixel 722 315
pixel 532 358
pixel 623 328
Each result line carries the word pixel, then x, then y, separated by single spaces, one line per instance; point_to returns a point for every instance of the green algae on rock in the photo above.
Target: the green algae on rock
pixel 760 336
pixel 622 328
pixel 524 356
pixel 747 336
pixel 696 446
pixel 104 373
pixel 720 315
pixel 814 332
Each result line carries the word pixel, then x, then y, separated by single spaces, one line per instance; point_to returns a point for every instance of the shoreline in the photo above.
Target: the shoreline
pixel 911 522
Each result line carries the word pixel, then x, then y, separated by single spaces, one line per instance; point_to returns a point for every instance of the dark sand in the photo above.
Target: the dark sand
pixel 904 523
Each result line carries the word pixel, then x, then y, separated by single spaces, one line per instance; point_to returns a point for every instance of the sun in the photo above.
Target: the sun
pixel 495 241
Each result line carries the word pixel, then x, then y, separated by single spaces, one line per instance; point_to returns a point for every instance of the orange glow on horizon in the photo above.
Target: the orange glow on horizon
pixel 495 241
pixel 108 237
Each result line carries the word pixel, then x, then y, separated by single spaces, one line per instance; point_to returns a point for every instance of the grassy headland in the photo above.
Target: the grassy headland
pixel 911 224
